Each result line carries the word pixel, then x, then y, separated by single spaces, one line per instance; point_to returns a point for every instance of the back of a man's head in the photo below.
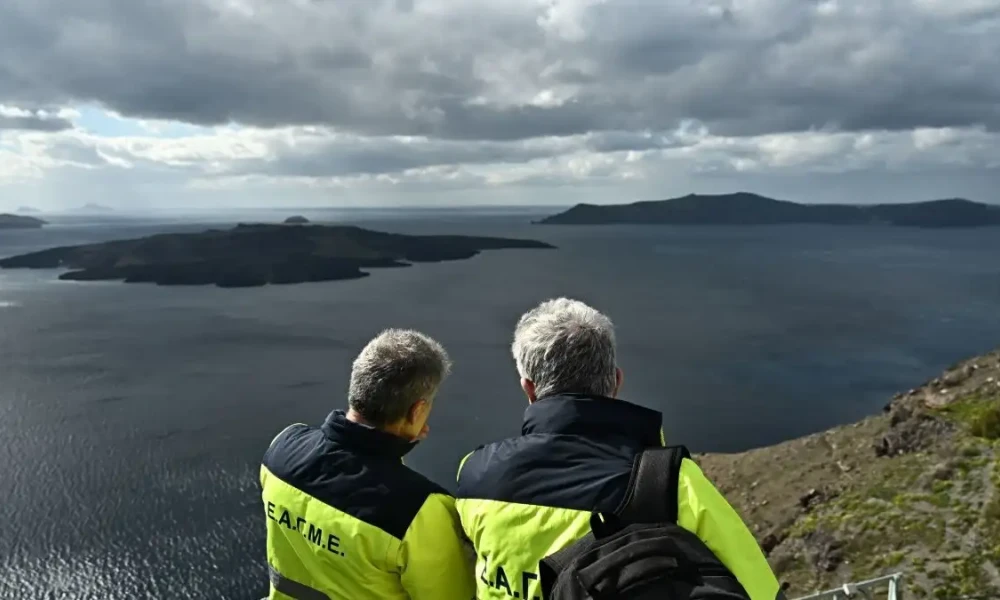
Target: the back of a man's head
pixel 395 370
pixel 564 346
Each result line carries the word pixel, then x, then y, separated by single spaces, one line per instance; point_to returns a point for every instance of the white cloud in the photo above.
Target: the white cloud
pixel 476 97
pixel 311 157
pixel 16 168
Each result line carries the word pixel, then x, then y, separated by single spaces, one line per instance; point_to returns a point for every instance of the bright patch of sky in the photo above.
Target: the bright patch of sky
pixel 103 123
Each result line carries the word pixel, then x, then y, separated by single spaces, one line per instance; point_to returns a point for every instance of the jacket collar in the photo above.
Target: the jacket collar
pixel 598 416
pixel 364 438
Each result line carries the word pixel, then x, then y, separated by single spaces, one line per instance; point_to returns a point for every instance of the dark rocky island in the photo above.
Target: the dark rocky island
pixel 9 221
pixel 296 220
pixel 751 209
pixel 255 255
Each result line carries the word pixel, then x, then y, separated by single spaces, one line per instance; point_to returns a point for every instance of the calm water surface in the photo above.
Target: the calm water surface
pixel 132 417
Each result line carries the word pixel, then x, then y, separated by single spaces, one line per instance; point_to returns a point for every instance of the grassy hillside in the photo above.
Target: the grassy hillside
pixel 913 489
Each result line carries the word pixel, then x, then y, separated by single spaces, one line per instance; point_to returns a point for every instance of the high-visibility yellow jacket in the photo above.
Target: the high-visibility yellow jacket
pixel 346 520
pixel 524 498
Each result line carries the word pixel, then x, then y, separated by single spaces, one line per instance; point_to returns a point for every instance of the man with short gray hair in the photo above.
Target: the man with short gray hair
pixel 525 498
pixel 345 517
pixel 564 345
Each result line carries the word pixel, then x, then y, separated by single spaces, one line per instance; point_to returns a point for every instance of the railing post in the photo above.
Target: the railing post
pixel 894 588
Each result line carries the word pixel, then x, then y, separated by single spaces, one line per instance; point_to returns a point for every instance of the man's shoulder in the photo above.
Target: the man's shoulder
pixel 486 456
pixel 390 495
pixel 409 481
pixel 288 440
pixel 565 471
pixel 380 491
pixel 290 432
pixel 547 448
pixel 693 481
pixel 304 444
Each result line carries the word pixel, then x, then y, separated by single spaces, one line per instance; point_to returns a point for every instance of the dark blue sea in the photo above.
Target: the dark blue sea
pixel 132 417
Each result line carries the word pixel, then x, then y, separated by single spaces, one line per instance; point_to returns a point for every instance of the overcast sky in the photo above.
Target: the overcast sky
pixel 153 103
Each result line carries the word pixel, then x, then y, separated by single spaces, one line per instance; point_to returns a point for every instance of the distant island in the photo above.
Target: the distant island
pixel 296 220
pixel 744 208
pixel 94 207
pixel 27 209
pixel 9 221
pixel 255 255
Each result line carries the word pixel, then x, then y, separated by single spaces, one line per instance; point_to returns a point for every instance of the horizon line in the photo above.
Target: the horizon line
pixel 111 210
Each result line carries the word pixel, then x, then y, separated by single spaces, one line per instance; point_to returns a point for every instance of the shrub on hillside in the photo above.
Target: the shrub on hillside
pixel 986 424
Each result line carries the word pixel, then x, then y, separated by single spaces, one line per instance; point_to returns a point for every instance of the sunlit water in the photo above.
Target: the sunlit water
pixel 133 417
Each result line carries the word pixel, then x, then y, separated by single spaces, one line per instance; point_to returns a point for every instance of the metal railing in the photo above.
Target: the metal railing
pixel 867 590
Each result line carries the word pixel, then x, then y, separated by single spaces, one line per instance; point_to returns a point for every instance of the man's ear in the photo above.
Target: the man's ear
pixel 619 378
pixel 529 390
pixel 417 410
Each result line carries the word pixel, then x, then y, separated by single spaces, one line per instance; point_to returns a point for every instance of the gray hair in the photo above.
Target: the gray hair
pixel 393 371
pixel 565 346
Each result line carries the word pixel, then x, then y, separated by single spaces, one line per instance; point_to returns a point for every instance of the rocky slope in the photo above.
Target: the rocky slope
pixel 914 489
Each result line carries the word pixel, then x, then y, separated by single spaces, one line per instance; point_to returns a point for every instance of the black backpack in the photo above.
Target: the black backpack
pixel 639 552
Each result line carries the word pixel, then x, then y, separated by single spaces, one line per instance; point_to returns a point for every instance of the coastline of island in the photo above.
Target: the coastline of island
pixel 744 208
pixel 12 221
pixel 251 255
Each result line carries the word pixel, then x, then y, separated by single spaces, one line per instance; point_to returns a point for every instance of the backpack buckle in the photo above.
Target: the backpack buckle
pixel 605 524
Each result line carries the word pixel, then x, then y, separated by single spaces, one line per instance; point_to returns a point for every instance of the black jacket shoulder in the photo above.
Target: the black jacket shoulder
pixel 575 451
pixel 377 489
pixel 564 471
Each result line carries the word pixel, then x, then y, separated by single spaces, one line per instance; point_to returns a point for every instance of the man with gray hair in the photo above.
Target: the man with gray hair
pixel 526 498
pixel 345 517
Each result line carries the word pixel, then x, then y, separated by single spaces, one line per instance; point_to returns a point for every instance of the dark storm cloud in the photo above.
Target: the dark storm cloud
pixel 335 156
pixel 467 70
pixel 373 156
pixel 34 123
pixel 33 118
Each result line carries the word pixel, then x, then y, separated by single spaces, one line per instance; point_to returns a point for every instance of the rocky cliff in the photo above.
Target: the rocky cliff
pixel 914 488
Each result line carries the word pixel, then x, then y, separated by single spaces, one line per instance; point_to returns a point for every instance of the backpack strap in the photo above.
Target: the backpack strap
pixel 653 487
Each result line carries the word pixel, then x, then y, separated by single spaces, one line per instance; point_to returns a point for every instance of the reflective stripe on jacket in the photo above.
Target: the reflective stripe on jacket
pixel 524 498
pixel 346 519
